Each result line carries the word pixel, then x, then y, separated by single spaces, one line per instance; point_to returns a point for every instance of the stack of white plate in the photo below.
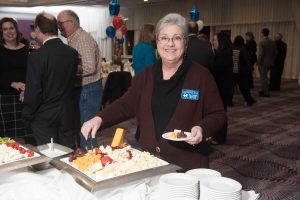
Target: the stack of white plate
pixel 178 186
pixel 202 173
pixel 220 188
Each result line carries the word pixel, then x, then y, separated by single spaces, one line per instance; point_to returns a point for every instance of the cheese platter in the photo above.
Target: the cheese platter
pixel 15 156
pixel 112 165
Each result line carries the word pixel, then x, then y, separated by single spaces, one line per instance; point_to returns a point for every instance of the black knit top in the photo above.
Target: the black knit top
pixel 13 64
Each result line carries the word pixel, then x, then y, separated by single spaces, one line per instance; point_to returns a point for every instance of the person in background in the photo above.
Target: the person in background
pixel 265 61
pixel 251 47
pixel 202 36
pixel 49 104
pixel 200 51
pixel 276 71
pixel 223 74
pixel 88 84
pixel 174 93
pixel 143 52
pixel 13 64
pixel 241 69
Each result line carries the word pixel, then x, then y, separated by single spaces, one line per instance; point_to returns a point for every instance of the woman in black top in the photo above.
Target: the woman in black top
pixel 13 62
pixel 242 69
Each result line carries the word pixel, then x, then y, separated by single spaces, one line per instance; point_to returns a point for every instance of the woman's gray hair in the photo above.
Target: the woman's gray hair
pixel 172 18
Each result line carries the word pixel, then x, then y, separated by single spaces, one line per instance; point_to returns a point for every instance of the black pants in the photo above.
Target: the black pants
pixel 43 135
pixel 243 81
pixel 275 77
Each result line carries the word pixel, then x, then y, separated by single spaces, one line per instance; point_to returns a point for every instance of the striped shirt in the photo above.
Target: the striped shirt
pixel 89 67
pixel 236 59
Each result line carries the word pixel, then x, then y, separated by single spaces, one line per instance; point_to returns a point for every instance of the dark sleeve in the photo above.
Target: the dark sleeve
pixel 214 115
pixel 211 58
pixel 260 54
pixel 34 81
pixel 245 61
pixel 284 51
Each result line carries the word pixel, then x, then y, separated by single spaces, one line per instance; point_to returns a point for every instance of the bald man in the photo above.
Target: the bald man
pixel 49 104
pixel 88 86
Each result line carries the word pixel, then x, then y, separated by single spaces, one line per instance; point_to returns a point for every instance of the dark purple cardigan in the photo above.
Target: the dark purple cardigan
pixel 208 113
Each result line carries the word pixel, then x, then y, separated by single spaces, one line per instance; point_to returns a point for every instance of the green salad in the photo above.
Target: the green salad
pixel 5 139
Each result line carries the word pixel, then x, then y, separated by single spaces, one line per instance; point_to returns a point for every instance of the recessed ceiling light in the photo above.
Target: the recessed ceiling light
pixel 145 0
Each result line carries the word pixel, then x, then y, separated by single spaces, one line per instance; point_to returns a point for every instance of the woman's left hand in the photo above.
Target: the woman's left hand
pixel 196 135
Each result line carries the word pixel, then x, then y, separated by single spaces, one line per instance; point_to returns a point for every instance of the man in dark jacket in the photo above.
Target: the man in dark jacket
pixel 265 61
pixel 49 106
pixel 200 51
pixel 276 71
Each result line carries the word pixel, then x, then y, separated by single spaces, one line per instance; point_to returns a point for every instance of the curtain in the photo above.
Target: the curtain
pixel 238 16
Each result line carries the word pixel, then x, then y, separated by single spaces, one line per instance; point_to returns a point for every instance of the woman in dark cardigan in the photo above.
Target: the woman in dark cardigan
pixel 174 93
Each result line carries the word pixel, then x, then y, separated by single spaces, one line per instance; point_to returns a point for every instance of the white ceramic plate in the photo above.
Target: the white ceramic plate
pixel 222 185
pixel 178 180
pixel 167 136
pixel 202 173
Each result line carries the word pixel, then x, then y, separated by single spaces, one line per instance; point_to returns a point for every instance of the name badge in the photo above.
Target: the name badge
pixel 190 94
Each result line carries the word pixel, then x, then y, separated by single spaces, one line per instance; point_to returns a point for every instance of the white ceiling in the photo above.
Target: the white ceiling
pixel 31 3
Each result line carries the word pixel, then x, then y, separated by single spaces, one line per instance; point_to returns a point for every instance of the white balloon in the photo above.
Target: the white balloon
pixel 200 25
pixel 119 34
pixel 33 35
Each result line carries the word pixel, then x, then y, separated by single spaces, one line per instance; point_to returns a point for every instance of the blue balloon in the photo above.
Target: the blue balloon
pixel 194 13
pixel 114 7
pixel 31 26
pixel 110 31
pixel 120 41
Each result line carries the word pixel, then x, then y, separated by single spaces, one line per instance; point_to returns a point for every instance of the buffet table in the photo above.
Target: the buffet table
pixel 133 175
pixel 52 184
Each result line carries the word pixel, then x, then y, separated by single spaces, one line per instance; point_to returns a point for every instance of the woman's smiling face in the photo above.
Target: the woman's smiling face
pixel 9 31
pixel 171 43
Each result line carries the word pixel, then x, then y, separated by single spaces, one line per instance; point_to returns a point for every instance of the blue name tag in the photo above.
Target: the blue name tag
pixel 190 94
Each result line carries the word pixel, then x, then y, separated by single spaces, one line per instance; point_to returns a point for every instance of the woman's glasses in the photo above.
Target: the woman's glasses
pixel 177 39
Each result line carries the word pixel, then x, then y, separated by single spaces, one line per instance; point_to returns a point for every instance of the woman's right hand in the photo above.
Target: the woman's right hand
pixel 91 127
pixel 18 86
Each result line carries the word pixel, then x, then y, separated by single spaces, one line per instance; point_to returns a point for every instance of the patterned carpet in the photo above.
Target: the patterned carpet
pixel 263 147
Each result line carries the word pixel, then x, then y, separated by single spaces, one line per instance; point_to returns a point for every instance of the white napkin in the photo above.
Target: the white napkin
pixel 31 186
pixel 250 195
pixel 132 191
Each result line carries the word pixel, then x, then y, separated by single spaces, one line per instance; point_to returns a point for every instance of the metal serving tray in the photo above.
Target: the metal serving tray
pixel 92 185
pixel 24 162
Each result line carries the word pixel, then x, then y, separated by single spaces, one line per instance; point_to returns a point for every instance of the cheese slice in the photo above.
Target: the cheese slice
pixel 118 138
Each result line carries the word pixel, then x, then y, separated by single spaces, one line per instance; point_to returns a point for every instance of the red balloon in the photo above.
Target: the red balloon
pixel 123 29
pixel 117 22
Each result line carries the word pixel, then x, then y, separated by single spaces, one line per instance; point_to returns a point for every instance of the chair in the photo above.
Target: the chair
pixel 116 85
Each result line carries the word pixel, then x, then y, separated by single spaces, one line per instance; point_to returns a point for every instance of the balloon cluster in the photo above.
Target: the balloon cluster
pixel 118 28
pixel 194 14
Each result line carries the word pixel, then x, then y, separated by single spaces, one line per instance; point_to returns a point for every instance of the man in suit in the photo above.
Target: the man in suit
pixel 200 51
pixel 276 71
pixel 49 103
pixel 266 58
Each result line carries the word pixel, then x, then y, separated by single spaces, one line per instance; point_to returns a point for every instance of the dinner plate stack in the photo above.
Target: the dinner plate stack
pixel 202 173
pixel 178 186
pixel 220 188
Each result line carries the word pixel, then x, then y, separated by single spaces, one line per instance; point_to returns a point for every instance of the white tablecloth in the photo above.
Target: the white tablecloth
pixel 53 184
